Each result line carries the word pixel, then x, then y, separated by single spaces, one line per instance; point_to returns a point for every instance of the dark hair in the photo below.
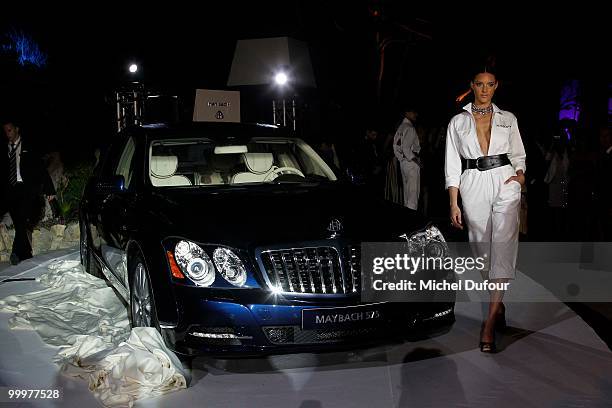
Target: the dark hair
pixel 488 66
pixel 486 69
pixel 13 121
pixel 409 107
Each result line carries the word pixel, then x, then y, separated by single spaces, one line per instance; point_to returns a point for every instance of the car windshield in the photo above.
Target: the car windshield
pixel 204 162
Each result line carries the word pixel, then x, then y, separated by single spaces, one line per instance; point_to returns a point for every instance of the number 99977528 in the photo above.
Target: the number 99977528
pixel 8 394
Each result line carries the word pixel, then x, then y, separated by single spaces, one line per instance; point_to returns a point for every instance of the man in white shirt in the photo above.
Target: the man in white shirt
pixel 406 148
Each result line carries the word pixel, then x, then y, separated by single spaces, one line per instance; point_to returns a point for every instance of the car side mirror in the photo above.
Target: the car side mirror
pixel 108 185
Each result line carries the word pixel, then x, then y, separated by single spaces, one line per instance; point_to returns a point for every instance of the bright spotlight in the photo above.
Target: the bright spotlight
pixel 281 78
pixel 133 68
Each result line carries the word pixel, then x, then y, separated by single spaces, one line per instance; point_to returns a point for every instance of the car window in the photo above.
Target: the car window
pixel 125 167
pixel 109 162
pixel 203 162
pixel 309 164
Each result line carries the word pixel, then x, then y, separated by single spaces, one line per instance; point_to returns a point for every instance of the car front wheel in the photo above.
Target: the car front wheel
pixel 142 305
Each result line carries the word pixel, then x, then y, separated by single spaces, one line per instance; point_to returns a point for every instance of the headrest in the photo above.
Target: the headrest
pixel 163 166
pixel 258 163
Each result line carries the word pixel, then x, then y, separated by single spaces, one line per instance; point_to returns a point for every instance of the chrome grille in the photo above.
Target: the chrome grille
pixel 314 270
pixel 296 335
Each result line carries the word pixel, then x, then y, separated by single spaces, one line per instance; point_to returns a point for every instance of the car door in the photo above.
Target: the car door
pixel 95 196
pixel 117 217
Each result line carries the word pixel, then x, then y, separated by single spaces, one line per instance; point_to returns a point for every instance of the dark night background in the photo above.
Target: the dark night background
pixel 66 105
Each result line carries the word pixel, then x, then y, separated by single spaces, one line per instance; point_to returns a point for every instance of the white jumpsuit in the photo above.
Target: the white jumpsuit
pixel 405 145
pixel 490 207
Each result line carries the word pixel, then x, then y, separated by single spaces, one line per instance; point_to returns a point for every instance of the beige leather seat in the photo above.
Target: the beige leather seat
pixel 286 159
pixel 162 172
pixel 259 166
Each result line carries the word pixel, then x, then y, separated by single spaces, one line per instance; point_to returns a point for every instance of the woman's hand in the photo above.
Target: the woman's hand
pixel 520 178
pixel 455 216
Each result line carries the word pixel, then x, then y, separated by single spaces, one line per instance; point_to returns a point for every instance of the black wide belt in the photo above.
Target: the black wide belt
pixel 484 163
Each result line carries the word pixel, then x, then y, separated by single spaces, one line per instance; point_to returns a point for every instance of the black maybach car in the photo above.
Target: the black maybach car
pixel 238 239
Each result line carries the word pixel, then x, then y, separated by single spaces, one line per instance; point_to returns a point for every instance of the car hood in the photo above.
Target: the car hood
pixel 278 214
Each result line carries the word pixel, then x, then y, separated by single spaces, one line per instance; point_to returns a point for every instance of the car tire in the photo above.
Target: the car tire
pixel 142 304
pixel 87 258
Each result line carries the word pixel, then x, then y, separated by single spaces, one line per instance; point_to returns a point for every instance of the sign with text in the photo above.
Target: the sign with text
pixel 216 106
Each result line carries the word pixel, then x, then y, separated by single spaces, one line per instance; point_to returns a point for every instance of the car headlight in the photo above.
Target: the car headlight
pixel 195 263
pixel 230 266
pixel 430 243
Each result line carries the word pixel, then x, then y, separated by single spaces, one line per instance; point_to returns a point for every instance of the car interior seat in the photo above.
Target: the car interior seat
pixel 286 159
pixel 162 172
pixel 258 165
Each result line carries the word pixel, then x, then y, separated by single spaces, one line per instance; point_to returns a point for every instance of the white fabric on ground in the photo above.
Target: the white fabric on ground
pixel 84 316
pixel 138 368
pixel 73 303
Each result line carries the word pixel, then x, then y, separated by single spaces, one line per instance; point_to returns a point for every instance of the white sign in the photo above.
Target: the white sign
pixel 216 106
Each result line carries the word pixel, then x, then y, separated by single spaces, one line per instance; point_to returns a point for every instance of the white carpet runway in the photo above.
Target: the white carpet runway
pixel 549 357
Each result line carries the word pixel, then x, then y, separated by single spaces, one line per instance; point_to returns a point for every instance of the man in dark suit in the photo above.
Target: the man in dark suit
pixel 23 184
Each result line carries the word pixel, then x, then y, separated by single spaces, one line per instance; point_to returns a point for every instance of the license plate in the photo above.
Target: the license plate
pixel 342 317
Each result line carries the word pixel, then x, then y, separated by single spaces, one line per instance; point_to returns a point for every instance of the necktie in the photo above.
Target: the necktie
pixel 13 165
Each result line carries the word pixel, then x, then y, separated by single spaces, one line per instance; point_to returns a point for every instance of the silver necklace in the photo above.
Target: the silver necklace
pixel 482 111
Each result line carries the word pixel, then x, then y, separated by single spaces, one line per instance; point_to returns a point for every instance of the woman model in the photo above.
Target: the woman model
pixel 487 140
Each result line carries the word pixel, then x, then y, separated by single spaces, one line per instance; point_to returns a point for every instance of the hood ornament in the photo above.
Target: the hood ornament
pixel 335 227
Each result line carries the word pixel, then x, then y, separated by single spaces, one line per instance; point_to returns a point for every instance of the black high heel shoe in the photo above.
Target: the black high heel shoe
pixel 487 346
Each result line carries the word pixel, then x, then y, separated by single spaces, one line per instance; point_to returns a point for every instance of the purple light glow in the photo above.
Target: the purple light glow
pixel 570 107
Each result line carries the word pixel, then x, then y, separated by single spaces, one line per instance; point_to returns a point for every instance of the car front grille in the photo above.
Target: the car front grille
pixel 296 335
pixel 314 270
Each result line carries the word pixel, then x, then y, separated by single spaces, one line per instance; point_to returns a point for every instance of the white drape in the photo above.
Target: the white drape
pixel 83 316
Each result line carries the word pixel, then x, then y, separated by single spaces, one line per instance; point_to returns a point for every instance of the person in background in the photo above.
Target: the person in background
pixel 24 185
pixel 368 161
pixel 327 150
pixel 537 196
pixel 406 147
pixel 603 185
pixel 393 176
pixel 557 178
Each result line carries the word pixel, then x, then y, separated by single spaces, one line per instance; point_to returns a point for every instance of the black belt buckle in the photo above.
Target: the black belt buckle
pixel 489 162
pixel 478 161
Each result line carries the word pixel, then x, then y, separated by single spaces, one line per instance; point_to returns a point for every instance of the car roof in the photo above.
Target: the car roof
pixel 212 130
